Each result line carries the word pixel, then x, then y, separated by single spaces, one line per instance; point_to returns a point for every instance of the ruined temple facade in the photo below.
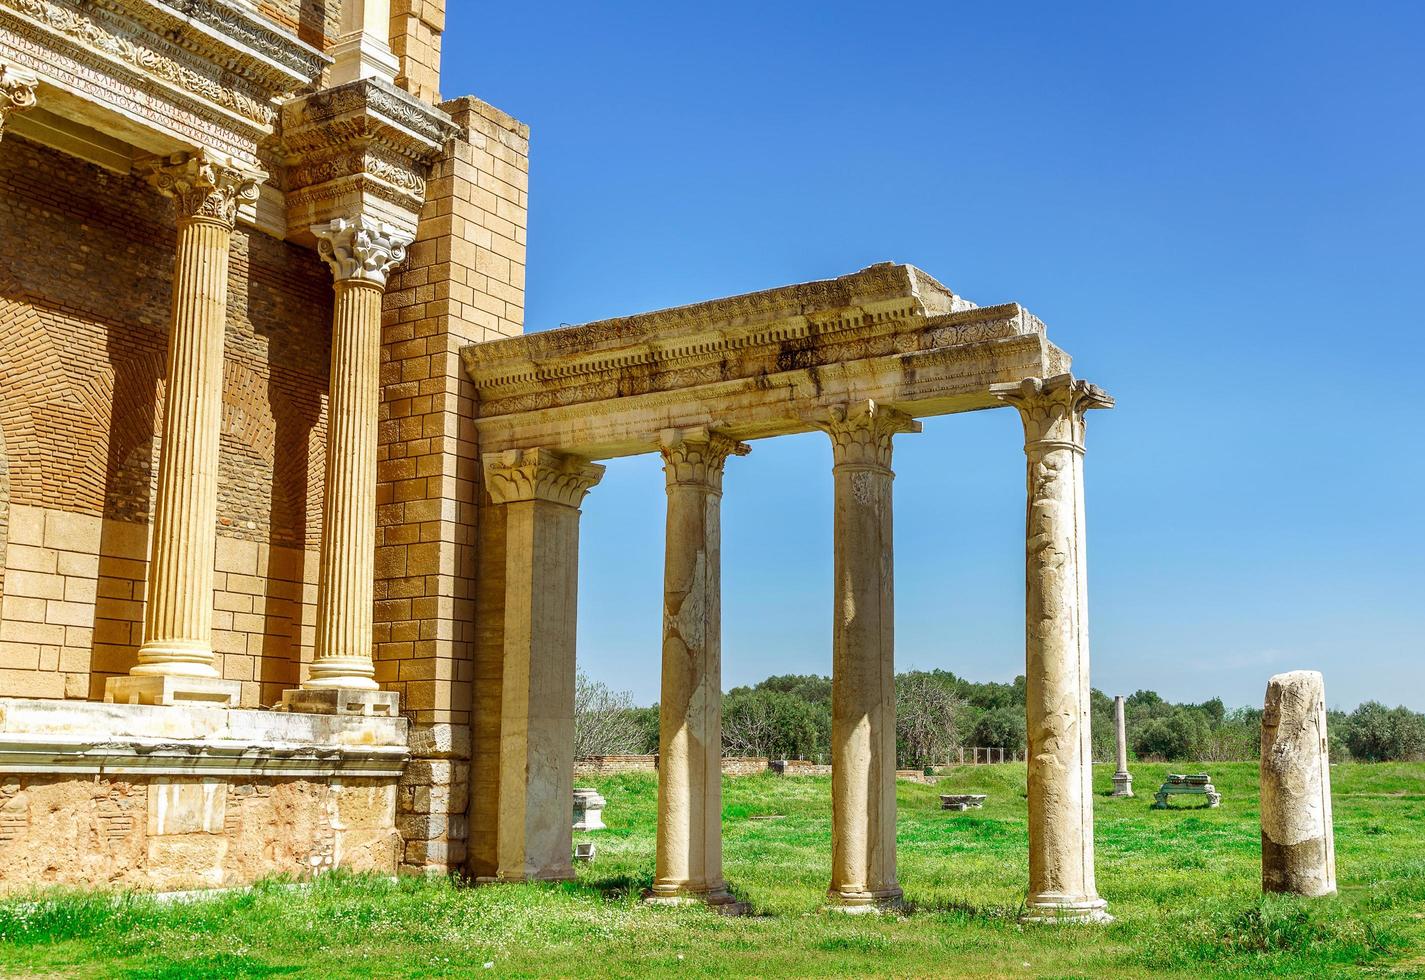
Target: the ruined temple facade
pixel 289 504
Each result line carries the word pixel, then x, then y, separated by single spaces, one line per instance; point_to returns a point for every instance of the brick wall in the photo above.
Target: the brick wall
pixel 314 21
pixel 84 305
pixel 463 283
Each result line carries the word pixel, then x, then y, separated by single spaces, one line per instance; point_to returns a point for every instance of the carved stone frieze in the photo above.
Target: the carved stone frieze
pixel 539 474
pixel 17 92
pixel 861 433
pixel 361 249
pixel 205 185
pixel 1053 410
pixel 696 456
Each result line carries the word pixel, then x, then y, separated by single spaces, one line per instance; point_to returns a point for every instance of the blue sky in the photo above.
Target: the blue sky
pixel 1217 209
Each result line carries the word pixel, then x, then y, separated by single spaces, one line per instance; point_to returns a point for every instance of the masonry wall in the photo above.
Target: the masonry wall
pixel 85 278
pixel 463 283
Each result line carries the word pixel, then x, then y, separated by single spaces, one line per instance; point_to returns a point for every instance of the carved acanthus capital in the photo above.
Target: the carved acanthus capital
pixel 695 457
pixel 861 433
pixel 17 92
pixel 361 249
pixel 517 475
pixel 1053 409
pixel 207 186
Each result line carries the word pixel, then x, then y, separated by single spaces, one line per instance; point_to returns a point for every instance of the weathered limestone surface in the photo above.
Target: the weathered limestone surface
pixel 538 494
pixel 689 853
pixel 863 696
pixel 1122 778
pixel 178 619
pixel 1298 841
pixel 1061 870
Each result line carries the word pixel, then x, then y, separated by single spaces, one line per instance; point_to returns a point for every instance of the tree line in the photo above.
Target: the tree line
pixel 938 713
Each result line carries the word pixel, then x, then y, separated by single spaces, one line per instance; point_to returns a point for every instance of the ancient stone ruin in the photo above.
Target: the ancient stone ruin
pixel 1298 842
pixel 362 503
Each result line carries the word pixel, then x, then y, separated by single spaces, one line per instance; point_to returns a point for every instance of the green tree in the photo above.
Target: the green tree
pixel 1375 733
pixel 1001 727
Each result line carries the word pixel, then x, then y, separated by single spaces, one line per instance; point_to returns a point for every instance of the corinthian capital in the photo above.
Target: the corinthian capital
pixel 861 433
pixel 17 92
pixel 360 249
pixel 1053 409
pixel 207 186
pixel 696 456
pixel 539 474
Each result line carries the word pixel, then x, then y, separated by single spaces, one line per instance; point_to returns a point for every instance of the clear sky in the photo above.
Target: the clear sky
pixel 1216 208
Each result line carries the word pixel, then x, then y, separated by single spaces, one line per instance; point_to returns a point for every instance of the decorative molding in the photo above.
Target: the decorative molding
pixel 17 92
pixel 235 26
pixel 1053 410
pixel 519 475
pixel 158 757
pixel 205 185
pixel 360 249
pixel 861 433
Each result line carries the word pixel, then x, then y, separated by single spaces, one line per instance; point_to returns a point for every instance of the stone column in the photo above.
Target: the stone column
pixel 1298 842
pixel 17 93
pixel 537 494
pixel 689 856
pixel 1061 871
pixel 175 662
pixel 863 696
pixel 1122 779
pixel 360 253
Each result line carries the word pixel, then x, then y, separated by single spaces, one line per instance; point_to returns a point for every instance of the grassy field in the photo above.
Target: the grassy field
pixel 1183 885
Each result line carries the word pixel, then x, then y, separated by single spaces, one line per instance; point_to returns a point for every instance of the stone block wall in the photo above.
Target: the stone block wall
pixel 416 27
pixel 462 283
pixel 85 269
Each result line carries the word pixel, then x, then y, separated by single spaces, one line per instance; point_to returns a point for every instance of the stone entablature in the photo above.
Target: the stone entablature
pixel 764 364
pixel 164 75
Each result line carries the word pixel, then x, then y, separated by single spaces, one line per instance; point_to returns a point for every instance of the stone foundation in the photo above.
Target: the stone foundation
pixel 180 798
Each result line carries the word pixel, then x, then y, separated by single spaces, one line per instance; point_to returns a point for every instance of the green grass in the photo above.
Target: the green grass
pixel 1183 885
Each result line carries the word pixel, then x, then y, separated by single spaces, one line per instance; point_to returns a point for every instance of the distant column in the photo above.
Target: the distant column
pixel 1122 779
pixel 175 662
pixel 1057 693
pixel 1298 842
pixel 17 93
pixel 538 493
pixel 863 696
pixel 689 855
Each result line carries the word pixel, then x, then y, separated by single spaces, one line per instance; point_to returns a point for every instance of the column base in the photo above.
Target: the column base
pixel 507 878
pixel 167 689
pixel 854 903
pixel 716 897
pixel 1122 784
pixel 1054 910
pixel 341 701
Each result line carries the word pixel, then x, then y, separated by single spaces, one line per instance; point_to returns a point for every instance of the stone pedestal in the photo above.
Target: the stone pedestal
pixel 588 809
pixel 360 254
pixel 863 695
pixel 1122 779
pixel 689 855
pixel 1061 870
pixel 178 614
pixel 1298 841
pixel 537 493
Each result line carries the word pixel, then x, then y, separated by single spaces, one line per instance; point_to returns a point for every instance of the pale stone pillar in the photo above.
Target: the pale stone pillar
pixel 1122 779
pixel 17 93
pixel 361 253
pixel 1298 841
pixel 175 662
pixel 538 494
pixel 363 44
pixel 863 696
pixel 689 855
pixel 1061 869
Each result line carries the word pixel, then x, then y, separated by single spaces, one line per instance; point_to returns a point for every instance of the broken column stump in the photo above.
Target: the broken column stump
pixel 1298 847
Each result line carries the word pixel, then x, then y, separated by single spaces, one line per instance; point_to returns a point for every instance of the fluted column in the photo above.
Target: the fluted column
pixel 175 662
pixel 863 696
pixel 1122 778
pixel 689 855
pixel 360 253
pixel 537 493
pixel 17 93
pixel 1061 866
